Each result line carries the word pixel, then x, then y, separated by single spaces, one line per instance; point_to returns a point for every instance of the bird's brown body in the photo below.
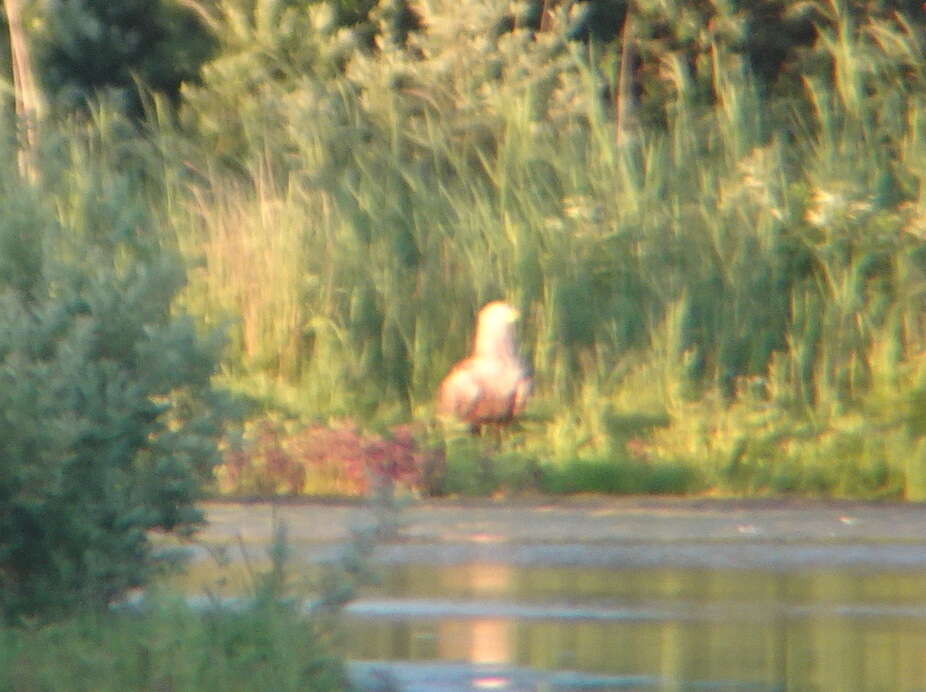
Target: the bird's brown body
pixel 491 385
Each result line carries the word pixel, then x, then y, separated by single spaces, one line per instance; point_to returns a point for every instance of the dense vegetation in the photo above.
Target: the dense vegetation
pixel 172 647
pixel 722 290
pixel 710 214
pixel 109 419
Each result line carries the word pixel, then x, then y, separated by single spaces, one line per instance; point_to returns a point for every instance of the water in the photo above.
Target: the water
pixel 827 630
pixel 614 595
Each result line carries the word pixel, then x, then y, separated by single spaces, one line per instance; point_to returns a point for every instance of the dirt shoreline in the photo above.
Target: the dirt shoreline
pixel 611 532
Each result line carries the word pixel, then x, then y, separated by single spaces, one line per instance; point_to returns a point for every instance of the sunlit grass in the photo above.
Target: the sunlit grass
pixel 749 272
pixel 170 647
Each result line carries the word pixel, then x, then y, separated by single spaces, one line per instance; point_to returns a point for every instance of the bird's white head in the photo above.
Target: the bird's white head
pixel 495 330
pixel 498 312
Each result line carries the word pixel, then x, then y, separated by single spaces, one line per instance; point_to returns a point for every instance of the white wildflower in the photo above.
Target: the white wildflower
pixel 323 17
pixel 825 207
pixel 830 207
pixel 582 208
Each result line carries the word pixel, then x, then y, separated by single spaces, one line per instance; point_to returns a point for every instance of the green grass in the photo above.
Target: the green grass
pixel 255 623
pixel 171 647
pixel 748 269
pixel 625 477
pixel 757 252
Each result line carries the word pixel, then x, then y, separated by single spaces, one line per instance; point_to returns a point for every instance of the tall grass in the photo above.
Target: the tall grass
pixel 254 632
pixel 171 647
pixel 737 288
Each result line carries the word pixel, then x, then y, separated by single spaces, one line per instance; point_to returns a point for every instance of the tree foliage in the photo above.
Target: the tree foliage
pixel 107 416
pixel 88 47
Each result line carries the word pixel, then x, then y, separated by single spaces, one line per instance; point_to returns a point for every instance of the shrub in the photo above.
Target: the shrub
pixel 169 646
pixel 107 415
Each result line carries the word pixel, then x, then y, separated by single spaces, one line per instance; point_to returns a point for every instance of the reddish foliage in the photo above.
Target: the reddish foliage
pixel 347 459
pixel 638 449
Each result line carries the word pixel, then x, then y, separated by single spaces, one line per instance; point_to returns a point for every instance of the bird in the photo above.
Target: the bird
pixel 492 385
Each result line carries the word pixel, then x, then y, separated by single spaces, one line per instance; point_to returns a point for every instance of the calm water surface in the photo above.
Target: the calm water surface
pixel 827 630
pixel 640 595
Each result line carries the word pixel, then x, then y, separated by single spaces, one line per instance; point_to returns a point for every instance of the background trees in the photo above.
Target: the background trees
pixel 93 46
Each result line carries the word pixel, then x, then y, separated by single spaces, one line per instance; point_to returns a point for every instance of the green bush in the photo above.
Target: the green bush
pixel 107 415
pixel 264 637
pixel 169 646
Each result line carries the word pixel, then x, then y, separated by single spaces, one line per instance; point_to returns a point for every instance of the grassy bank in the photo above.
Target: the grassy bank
pixel 171 647
pixel 726 297
pixel 735 290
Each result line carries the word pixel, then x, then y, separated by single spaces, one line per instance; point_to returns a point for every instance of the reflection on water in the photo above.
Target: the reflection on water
pixel 822 630
pixel 486 640
pixel 481 640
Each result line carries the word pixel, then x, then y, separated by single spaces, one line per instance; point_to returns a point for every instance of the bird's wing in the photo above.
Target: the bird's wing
pixel 461 390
